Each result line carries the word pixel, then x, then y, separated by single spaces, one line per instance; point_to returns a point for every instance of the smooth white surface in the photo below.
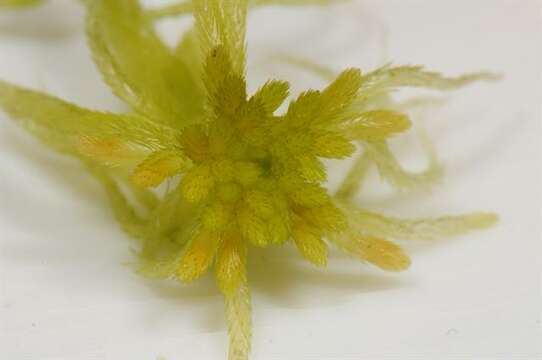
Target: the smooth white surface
pixel 65 295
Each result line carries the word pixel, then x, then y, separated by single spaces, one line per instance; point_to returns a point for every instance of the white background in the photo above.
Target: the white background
pixel 66 292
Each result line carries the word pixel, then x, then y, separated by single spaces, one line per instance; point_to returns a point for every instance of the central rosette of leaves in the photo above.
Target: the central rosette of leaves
pixel 253 177
pixel 247 175
pixel 257 176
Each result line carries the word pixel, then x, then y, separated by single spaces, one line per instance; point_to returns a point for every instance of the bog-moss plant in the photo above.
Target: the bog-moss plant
pixel 240 174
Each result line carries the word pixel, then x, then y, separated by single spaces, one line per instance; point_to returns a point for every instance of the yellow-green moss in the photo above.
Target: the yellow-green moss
pixel 239 174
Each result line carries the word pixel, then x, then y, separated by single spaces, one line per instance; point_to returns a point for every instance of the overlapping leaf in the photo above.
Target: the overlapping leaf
pixel 64 125
pixel 138 67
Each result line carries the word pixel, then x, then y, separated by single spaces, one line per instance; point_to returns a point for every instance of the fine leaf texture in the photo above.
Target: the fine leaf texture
pixel 223 23
pixel 388 78
pixel 138 67
pixel 239 320
pixel 309 243
pixel 188 52
pixel 376 125
pixel 338 95
pixel 198 256
pixel 230 264
pixel 271 95
pixel 234 174
pixel 417 229
pixel 380 82
pixel 382 253
pixel 64 125
pixel 158 166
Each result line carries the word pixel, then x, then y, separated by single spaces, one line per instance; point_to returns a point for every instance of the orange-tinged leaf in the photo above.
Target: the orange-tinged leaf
pixel 63 125
pixel 105 151
pixel 195 143
pixel 198 256
pixel 382 253
pixel 157 167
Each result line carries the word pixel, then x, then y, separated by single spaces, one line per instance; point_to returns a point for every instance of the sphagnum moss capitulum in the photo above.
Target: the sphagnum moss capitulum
pixel 247 175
